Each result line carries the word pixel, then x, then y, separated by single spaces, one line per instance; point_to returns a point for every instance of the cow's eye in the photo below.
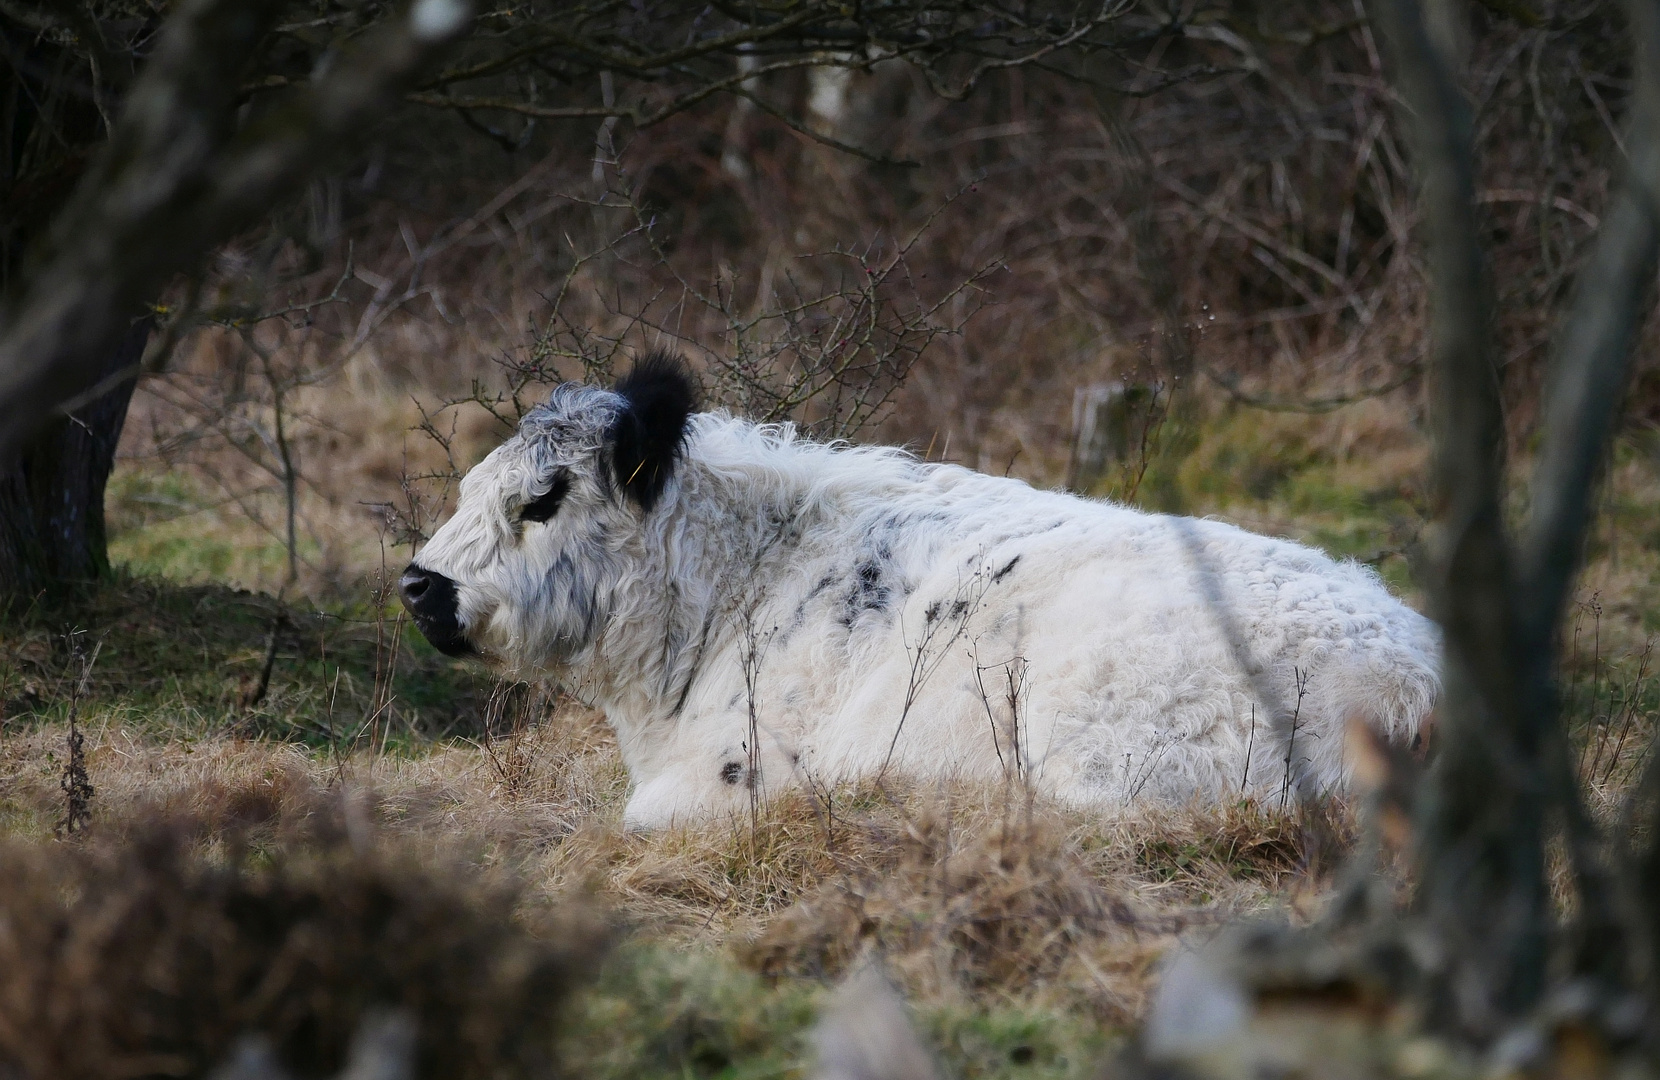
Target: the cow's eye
pixel 544 507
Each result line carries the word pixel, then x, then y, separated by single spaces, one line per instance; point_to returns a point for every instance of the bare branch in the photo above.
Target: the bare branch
pixel 177 178
pixel 1481 856
pixel 1314 406
pixel 820 137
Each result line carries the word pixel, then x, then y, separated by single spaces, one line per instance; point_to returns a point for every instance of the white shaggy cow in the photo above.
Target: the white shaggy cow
pixel 753 610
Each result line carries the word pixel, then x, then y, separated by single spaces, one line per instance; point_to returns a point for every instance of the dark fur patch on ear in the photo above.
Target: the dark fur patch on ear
pixel 648 435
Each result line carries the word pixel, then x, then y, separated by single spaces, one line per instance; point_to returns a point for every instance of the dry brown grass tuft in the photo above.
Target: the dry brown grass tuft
pixel 1194 853
pixel 967 897
pixel 1003 908
pixel 153 949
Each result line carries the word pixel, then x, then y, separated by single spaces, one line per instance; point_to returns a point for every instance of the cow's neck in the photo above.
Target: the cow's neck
pixel 711 556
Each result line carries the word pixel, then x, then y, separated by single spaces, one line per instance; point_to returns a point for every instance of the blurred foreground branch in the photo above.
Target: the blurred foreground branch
pixel 177 177
pixel 1482 821
pixel 1483 966
pixel 1482 842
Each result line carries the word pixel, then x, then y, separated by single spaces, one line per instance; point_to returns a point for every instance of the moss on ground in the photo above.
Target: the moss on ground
pixel 1352 489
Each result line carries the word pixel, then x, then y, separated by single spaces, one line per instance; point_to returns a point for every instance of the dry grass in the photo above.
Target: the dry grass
pixel 153 948
pixel 974 893
pixel 1022 930
pixel 1008 909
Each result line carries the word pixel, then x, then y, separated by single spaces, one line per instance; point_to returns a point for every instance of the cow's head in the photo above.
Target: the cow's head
pixel 526 572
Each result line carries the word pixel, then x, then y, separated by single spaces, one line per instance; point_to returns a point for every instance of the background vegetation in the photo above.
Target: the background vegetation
pixel 1180 271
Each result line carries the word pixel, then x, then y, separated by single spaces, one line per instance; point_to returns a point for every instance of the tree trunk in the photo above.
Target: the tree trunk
pixel 52 493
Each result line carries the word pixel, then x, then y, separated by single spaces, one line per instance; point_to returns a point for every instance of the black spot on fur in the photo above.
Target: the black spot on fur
pixel 731 772
pixel 1036 528
pixel 649 434
pixel 785 524
pixel 868 592
pixel 1003 573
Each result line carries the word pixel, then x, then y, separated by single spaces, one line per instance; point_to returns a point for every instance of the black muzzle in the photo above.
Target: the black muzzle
pixel 430 599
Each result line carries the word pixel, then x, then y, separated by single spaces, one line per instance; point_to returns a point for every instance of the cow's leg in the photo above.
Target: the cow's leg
pixel 683 795
pixel 657 803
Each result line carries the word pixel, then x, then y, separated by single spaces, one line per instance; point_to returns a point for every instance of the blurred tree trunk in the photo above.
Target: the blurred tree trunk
pixel 52 489
pixel 52 494
pixel 1482 960
pixel 179 173
pixel 1499 595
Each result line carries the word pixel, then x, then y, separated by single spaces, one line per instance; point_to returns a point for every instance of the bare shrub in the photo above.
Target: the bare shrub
pixel 823 339
pixel 1242 237
pixel 1247 232
pixel 1608 706
pixel 153 955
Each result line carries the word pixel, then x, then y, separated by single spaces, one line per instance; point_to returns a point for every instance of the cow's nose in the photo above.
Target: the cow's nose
pixel 414 585
pixel 430 598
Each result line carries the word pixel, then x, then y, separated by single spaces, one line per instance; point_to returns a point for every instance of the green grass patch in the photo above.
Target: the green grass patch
pixel 185 661
pixel 1291 475
pixel 656 1011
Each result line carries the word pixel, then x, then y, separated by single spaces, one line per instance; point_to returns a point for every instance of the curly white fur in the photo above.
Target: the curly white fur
pixel 793 611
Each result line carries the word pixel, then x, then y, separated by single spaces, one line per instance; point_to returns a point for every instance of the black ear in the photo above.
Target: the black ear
pixel 647 436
